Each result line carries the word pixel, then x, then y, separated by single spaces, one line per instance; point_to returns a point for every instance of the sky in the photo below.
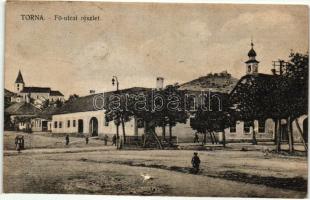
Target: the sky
pixel 139 42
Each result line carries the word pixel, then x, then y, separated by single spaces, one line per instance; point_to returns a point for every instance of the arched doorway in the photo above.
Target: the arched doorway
pixel 305 129
pixel 93 126
pixel 80 126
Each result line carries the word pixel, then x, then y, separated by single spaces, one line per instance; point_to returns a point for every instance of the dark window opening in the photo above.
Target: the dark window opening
pixel 247 126
pixel 233 127
pixel 261 126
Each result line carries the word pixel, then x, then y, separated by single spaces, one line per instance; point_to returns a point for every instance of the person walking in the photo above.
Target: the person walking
pixel 114 140
pixel 195 163
pixel 67 139
pixel 196 138
pixel 106 139
pixel 18 145
pixel 86 139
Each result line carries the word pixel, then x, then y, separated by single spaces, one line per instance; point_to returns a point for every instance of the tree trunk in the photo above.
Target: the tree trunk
pixel 170 132
pixel 157 139
pixel 117 136
pixel 276 124
pixel 164 132
pixel 254 141
pixel 224 138
pixel 290 135
pixel 278 133
pixel 211 137
pixel 124 133
pixel 301 135
pixel 145 133
pixel 204 140
pixel 215 139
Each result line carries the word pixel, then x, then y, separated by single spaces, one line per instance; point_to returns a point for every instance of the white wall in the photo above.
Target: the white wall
pixel 86 117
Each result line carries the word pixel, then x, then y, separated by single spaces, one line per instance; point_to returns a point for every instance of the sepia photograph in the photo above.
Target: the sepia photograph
pixel 156 99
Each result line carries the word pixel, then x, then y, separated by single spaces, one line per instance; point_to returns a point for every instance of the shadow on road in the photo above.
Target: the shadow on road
pixel 295 183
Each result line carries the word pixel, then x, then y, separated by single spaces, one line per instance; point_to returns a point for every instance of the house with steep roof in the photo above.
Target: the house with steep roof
pixel 21 115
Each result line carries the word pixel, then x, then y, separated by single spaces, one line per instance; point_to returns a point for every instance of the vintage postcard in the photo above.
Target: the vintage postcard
pixel 161 99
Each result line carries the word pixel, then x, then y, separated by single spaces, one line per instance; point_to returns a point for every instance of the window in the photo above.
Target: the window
pixel 247 126
pixel 233 127
pixel 60 124
pixel 261 126
pixel 68 123
pixel 73 123
pixel 55 124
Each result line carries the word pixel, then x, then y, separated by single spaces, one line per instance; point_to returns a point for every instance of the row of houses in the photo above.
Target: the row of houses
pixel 83 116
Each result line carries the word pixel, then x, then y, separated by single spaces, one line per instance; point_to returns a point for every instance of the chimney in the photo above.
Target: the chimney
pixel 159 83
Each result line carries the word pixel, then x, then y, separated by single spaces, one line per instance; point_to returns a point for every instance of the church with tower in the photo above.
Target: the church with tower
pixel 252 63
pixel 37 94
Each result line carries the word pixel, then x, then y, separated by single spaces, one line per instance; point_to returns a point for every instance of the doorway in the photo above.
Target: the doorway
pixel 93 126
pixel 80 126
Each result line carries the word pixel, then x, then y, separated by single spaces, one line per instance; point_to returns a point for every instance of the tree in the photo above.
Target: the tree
pixel 213 120
pixel 144 104
pixel 279 96
pixel 46 104
pixel 296 93
pixel 58 103
pixel 72 97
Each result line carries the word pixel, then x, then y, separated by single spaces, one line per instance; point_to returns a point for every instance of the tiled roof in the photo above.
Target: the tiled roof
pixel 48 112
pixel 36 89
pixel 81 104
pixel 22 109
pixel 56 93
pixel 262 81
pixel 8 93
pixel 86 103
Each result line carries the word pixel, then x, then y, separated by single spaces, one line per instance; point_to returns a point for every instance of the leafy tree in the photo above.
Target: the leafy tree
pixel 46 104
pixel 279 96
pixel 213 120
pixel 144 104
pixel 72 97
pixel 58 103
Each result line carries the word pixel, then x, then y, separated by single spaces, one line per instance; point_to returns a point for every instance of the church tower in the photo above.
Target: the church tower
pixel 19 83
pixel 252 63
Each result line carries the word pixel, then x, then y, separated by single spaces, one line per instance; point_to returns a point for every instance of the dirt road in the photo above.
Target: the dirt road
pixel 108 171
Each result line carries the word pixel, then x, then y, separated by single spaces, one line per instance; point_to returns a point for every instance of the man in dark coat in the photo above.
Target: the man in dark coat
pixel 195 162
pixel 105 139
pixel 67 139
pixel 114 140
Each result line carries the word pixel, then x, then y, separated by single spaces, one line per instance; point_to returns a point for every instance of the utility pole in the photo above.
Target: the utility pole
pixel 279 67
pixel 114 79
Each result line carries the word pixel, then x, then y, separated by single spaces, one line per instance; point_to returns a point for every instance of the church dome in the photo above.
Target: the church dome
pixel 252 53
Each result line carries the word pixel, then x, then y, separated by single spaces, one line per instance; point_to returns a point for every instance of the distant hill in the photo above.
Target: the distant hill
pixel 217 82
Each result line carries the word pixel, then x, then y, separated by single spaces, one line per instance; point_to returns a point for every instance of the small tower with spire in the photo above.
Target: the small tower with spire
pixel 19 83
pixel 252 63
